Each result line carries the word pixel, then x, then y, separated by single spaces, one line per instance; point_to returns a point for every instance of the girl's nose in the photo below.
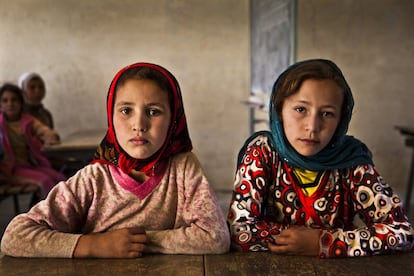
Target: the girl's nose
pixel 141 123
pixel 313 123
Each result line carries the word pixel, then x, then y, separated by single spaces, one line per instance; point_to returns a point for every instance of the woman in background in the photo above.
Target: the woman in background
pixel 22 138
pixel 34 91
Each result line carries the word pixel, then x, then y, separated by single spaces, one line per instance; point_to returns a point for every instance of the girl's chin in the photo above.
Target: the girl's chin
pixel 140 155
pixel 307 153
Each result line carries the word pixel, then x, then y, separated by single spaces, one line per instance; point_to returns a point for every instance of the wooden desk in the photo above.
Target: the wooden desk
pixel 265 263
pixel 149 265
pixel 409 142
pixel 80 144
pixel 75 151
pixel 234 263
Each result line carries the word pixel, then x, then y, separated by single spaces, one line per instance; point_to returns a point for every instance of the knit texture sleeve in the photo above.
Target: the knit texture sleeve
pixel 200 227
pixel 53 226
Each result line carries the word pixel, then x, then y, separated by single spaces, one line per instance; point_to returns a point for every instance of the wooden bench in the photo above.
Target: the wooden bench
pixel 12 188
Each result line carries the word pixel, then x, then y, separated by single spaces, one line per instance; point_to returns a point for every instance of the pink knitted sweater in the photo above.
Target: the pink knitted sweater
pixel 181 214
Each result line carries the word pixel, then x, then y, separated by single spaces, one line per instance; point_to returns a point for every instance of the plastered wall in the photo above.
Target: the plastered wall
pixel 372 41
pixel 79 45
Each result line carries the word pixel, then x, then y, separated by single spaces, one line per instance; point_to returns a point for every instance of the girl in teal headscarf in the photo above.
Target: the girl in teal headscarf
pixel 299 187
pixel 343 151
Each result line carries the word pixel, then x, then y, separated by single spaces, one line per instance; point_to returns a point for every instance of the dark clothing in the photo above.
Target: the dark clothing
pixel 41 113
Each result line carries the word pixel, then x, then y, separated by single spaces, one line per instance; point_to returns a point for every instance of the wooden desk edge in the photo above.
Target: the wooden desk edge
pixel 405 130
pixel 68 147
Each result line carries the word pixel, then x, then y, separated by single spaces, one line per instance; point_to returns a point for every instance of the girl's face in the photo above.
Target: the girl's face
pixel 11 106
pixel 311 116
pixel 141 117
pixel 34 91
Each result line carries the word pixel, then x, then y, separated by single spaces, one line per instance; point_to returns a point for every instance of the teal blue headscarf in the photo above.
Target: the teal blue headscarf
pixel 343 151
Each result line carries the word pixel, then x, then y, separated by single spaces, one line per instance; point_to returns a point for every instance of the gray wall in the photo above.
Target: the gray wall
pixel 79 45
pixel 372 41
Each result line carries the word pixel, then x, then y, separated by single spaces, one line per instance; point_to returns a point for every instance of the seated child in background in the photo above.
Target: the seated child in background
pixel 22 137
pixel 298 188
pixel 34 89
pixel 144 192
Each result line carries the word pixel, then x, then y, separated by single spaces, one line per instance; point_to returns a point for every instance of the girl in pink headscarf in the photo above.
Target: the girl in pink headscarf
pixel 145 191
pixel 22 137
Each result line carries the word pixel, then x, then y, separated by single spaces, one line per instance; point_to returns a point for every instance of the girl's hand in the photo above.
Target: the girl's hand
pixel 121 243
pixel 50 140
pixel 296 240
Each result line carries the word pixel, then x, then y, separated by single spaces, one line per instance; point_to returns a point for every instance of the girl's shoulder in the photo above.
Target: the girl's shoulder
pixel 92 177
pixel 184 158
pixel 259 144
pixel 362 170
pixel 365 174
pixel 185 163
pixel 93 171
pixel 260 138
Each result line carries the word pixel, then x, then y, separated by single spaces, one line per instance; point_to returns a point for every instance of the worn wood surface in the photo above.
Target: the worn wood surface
pixel 254 263
pixel 149 265
pixel 265 263
pixel 75 151
pixel 77 143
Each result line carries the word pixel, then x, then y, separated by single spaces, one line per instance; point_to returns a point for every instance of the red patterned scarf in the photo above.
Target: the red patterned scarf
pixel 177 140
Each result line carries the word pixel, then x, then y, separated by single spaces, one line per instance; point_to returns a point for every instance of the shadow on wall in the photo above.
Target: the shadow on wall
pixel 224 200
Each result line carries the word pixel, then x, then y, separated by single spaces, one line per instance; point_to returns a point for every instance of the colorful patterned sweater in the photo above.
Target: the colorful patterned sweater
pixel 266 200
pixel 180 214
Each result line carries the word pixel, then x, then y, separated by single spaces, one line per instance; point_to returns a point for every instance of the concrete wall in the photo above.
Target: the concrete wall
pixel 372 41
pixel 79 45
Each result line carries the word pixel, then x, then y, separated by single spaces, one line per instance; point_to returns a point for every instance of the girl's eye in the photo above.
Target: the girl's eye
pixel 153 112
pixel 125 110
pixel 328 114
pixel 300 109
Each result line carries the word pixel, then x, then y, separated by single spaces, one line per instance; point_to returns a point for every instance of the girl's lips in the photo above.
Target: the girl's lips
pixel 138 141
pixel 309 141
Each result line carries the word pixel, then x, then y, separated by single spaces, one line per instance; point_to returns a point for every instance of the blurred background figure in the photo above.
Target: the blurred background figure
pixel 22 137
pixel 34 91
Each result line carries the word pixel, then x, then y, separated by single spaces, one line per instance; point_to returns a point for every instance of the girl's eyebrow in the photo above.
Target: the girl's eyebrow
pixel 123 103
pixel 309 103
